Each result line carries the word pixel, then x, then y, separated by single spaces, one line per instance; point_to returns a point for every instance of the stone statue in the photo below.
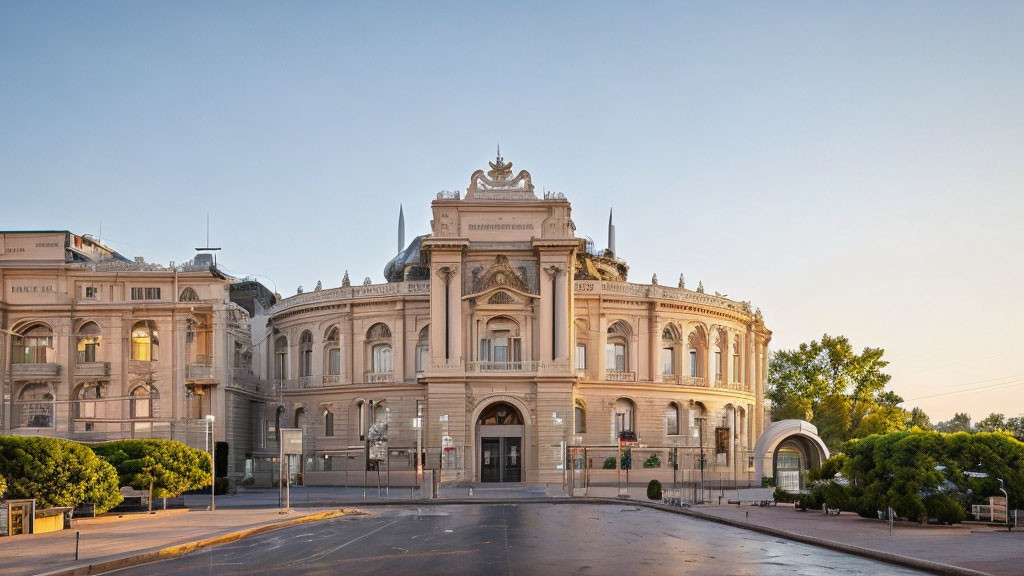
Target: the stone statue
pixel 682 282
pixel 319 286
pixel 299 289
pixel 700 286
pixel 345 282
pixel 654 279
pixel 367 281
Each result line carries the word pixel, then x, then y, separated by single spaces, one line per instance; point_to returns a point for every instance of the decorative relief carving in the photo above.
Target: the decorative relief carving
pixel 501 298
pixel 445 273
pixel 501 273
pixel 552 271
pixel 498 183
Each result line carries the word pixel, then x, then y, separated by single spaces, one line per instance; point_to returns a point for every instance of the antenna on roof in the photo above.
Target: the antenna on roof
pixel 208 248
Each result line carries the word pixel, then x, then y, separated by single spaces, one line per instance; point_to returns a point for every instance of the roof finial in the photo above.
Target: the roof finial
pixel 499 152
pixel 611 233
pixel 401 229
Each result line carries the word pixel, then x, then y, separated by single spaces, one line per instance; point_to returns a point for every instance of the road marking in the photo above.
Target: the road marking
pixel 315 557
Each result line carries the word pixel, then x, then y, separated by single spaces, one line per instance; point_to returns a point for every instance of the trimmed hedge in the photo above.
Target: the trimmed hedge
pixel 171 467
pixel 57 472
pixel 654 490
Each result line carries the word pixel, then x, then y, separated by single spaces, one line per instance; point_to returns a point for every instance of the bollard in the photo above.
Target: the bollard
pixel 78 536
pixel 746 516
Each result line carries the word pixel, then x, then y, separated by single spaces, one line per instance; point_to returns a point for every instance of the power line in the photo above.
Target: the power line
pixel 1010 383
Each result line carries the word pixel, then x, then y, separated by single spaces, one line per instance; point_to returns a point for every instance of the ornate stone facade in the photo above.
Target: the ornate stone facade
pixel 519 344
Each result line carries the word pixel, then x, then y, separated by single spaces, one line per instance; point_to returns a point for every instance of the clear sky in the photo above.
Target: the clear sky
pixel 850 167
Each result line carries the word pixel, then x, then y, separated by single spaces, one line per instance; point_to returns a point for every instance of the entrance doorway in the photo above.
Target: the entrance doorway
pixel 500 438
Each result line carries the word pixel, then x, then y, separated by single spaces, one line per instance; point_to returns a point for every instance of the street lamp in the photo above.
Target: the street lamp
pixel 1006 498
pixel 703 461
pixel 213 466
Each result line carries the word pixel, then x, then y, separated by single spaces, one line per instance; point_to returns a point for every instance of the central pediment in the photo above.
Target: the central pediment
pixel 501 274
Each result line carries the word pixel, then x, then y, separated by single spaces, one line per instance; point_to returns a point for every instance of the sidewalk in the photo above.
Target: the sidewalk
pixel 972 546
pixel 108 538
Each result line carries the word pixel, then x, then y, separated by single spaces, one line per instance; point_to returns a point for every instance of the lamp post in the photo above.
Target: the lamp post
pixel 213 464
pixel 1006 498
pixel 700 423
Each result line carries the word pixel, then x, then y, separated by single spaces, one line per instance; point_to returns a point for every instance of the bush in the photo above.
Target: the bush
pixel 767 482
pixel 944 509
pixel 652 461
pixel 57 472
pixel 171 467
pixel 222 486
pixel 609 463
pixel 654 490
pixel 3 486
pixel 784 497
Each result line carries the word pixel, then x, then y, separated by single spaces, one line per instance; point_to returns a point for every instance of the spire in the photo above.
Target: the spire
pixel 611 233
pixel 499 153
pixel 401 229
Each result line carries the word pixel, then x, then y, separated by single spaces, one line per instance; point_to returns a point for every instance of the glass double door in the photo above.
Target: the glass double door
pixel 501 459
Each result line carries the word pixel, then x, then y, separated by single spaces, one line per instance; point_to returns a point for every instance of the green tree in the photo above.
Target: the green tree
pixel 991 423
pixel 57 472
pixel 917 417
pixel 834 388
pixel 171 467
pixel 3 486
pixel 960 422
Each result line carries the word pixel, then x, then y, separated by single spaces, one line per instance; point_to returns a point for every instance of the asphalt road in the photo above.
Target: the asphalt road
pixel 505 539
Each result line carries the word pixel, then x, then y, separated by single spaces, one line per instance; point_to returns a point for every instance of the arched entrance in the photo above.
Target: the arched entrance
pixel 499 433
pixel 786 451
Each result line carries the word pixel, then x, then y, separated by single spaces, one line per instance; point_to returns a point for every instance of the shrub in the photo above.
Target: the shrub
pixel 3 486
pixel 654 490
pixel 57 472
pixel 784 497
pixel 609 463
pixel 767 482
pixel 222 486
pixel 652 461
pixel 171 467
pixel 944 509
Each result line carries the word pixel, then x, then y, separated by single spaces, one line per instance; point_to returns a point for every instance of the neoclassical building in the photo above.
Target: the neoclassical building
pixel 500 341
pixel 97 347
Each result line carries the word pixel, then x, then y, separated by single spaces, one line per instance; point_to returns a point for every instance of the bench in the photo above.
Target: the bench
pixel 763 503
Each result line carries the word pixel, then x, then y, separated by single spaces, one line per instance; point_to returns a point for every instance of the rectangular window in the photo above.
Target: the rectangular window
pixel 615 357
pixel 671 422
pixel 581 357
pixel 666 361
pixel 334 361
pixel 735 367
pixel 485 350
pixel 718 365
pixel 145 293
pixel 422 358
pixel 329 423
pixel 92 292
pixel 693 363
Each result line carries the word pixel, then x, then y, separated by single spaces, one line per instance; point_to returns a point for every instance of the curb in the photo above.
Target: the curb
pixel 180 549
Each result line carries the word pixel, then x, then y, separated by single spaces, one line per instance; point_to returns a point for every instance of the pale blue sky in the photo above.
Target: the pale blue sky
pixel 851 168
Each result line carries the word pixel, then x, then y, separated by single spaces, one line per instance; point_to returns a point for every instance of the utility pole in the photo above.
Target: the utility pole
pixel 700 421
pixel 213 464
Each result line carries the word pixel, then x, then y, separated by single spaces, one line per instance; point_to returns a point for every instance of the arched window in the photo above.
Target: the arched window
pixel 277 422
pixel 300 417
pixel 624 412
pixel 145 341
pixel 502 414
pixel 735 373
pixel 332 359
pixel 281 358
pixel 579 418
pixel 88 342
pixel 672 419
pixel 37 406
pixel 378 339
pixel 188 295
pixel 381 412
pixel 501 347
pixel 360 419
pixel 617 348
pixel 328 422
pixel 33 345
pixel 86 401
pixel 423 350
pixel 306 354
pixel 143 399
pixel 670 340
pixel 697 412
pixel 698 343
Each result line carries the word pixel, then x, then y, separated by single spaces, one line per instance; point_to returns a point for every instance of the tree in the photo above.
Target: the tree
pixel 841 392
pixel 3 486
pixel 960 422
pixel 919 418
pixel 169 466
pixel 57 472
pixel 991 423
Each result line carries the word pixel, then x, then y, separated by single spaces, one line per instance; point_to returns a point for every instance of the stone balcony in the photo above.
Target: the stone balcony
pixel 619 376
pixel 378 377
pixel 41 371
pixel 501 367
pixel 679 379
pixel 200 371
pixel 92 370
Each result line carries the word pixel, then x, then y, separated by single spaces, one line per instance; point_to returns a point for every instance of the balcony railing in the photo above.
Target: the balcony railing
pixel 670 378
pixel 196 371
pixel 489 367
pixel 734 386
pixel 331 379
pixel 87 370
pixel 48 370
pixel 698 381
pixel 619 376
pixel 305 382
pixel 378 377
pixel 280 384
